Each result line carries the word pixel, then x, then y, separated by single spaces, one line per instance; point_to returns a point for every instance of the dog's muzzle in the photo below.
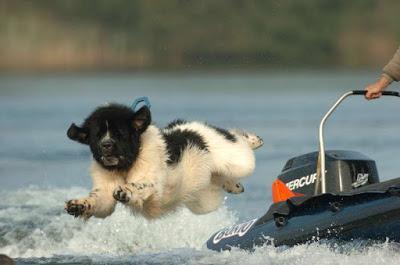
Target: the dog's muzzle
pixel 108 149
pixel 110 160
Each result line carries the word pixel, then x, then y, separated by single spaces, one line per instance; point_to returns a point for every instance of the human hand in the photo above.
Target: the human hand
pixel 375 89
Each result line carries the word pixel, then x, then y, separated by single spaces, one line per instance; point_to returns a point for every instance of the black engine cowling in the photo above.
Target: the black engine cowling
pixel 345 171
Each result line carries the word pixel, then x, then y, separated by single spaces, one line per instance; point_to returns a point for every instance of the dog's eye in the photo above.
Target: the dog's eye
pixel 122 132
pixel 95 132
pixel 98 133
pixel 119 133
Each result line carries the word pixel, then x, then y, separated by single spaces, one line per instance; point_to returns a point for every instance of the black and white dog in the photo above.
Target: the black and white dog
pixel 152 170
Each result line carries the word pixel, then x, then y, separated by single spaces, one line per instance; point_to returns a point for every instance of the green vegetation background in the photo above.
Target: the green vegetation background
pixel 195 34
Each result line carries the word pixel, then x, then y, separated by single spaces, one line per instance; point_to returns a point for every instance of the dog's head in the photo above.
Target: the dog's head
pixel 113 134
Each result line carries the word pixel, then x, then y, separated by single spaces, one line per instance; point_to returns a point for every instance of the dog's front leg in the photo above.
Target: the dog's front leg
pixel 143 189
pixel 100 203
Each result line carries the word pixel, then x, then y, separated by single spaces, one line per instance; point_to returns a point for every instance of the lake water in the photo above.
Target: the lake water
pixel 40 168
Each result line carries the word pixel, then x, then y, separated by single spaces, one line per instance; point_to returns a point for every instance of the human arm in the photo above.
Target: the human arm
pixel 391 72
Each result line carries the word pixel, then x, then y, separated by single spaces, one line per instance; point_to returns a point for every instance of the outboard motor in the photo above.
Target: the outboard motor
pixel 345 171
pixel 338 171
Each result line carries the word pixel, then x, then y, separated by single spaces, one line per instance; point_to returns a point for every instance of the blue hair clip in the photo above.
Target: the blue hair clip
pixel 138 101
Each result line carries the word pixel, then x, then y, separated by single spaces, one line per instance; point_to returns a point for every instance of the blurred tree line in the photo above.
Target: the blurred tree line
pixel 191 34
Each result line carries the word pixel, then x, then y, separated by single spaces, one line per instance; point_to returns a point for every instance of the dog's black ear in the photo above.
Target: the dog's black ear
pixel 78 134
pixel 142 119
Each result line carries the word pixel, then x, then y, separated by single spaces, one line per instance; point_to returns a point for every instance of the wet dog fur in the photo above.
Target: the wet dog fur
pixel 153 171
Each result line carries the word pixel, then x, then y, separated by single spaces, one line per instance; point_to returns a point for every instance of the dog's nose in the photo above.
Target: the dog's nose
pixel 107 145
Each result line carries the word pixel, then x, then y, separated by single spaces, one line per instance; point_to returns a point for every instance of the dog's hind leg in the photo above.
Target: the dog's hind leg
pixel 252 139
pixel 205 201
pixel 232 186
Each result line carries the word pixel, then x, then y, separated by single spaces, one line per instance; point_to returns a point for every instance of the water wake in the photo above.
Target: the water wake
pixel 35 230
pixel 33 224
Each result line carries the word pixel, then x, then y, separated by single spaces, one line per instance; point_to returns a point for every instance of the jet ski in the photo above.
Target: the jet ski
pixel 333 194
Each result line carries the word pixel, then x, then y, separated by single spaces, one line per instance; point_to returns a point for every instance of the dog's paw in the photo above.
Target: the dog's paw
pixel 233 187
pixel 142 189
pixel 134 193
pixel 122 194
pixel 79 208
pixel 253 140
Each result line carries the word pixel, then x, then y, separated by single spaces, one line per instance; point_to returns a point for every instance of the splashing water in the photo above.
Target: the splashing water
pixel 34 229
pixel 33 224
